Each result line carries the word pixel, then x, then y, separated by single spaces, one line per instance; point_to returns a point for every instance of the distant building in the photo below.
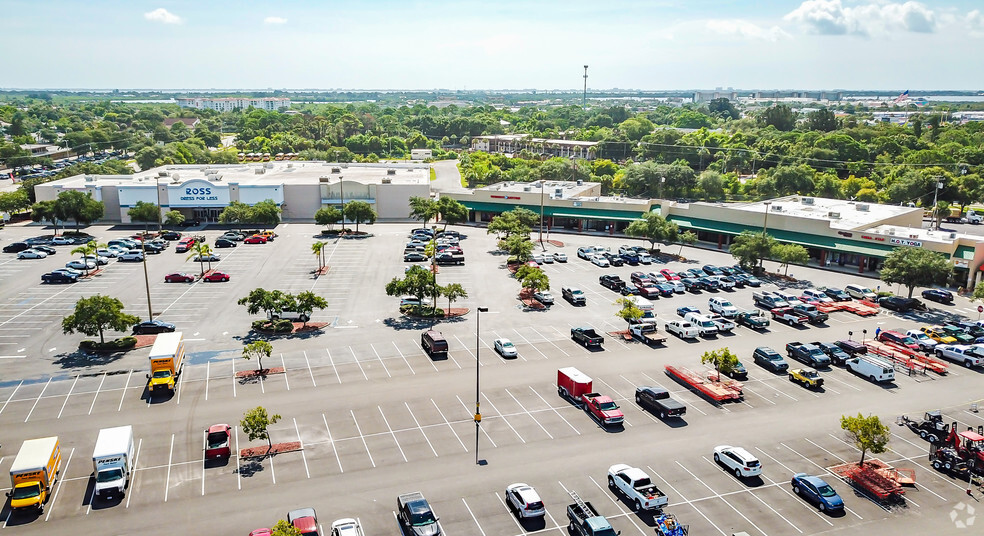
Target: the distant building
pixel 514 143
pixel 421 154
pixel 45 150
pixel 229 104
pixel 190 122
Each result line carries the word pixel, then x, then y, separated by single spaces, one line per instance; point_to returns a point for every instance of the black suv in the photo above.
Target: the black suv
pixel 171 235
pixel 770 359
pixel 416 516
pixel 16 247
pixel 614 259
pixel 900 304
pixel 59 277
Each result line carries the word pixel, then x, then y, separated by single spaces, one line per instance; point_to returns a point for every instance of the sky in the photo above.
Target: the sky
pixel 492 44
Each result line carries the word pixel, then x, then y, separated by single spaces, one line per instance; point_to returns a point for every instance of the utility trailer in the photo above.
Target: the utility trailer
pixel 710 385
pixel 872 479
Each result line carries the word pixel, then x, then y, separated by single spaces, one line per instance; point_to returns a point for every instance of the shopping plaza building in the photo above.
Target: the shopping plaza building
pixel 847 234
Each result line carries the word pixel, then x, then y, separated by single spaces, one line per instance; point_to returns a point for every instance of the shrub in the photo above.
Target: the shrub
pixel 115 345
pixel 281 325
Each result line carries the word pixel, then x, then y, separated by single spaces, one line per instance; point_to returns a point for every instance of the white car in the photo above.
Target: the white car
pixel 524 500
pixel 560 257
pixel 538 259
pixel 346 527
pixel 657 278
pixel 544 297
pixel 598 260
pixel 925 343
pixel 722 307
pixel 78 264
pixel 31 254
pixel 206 258
pixel 682 329
pixel 678 287
pixel 504 347
pixel 548 258
pixel 111 253
pixel 98 259
pixel 738 460
pixel 131 255
pixel 814 295
pixel 62 241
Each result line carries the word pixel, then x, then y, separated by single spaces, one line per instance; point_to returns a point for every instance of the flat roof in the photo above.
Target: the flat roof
pixel 259 174
pixel 561 190
pixel 519 137
pixel 840 213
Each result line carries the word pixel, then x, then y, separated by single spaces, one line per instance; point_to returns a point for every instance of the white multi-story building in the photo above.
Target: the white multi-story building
pixel 232 103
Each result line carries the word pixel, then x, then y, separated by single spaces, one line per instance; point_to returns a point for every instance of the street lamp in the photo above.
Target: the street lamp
pixel 478 367
pixel 864 334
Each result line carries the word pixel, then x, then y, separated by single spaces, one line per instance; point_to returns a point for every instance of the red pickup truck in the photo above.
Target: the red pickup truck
pixel 602 408
pixel 575 386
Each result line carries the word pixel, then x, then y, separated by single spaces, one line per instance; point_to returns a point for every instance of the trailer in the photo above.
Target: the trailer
pixel 710 385
pixel 912 365
pixel 667 525
pixel 928 362
pixel 872 480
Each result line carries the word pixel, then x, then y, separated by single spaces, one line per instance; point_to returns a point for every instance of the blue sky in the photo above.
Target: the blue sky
pixel 494 44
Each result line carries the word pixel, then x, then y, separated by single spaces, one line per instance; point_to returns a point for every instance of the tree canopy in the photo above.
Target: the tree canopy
pixel 96 314
pixel 915 267
pixel 868 434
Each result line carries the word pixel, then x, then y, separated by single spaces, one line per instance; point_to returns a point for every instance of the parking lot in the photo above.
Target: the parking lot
pixel 376 417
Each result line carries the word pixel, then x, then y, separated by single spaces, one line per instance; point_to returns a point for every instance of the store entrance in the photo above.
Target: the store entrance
pixel 209 215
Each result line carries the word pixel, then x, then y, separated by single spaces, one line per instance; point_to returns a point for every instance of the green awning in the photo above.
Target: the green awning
pixel 964 252
pixel 593 217
pixel 791 237
pixel 564 212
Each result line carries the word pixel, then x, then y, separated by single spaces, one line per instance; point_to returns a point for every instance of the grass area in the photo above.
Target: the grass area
pixel 433 174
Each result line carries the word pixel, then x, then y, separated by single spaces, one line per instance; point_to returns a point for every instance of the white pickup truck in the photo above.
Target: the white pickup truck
pixel 968 356
pixel 636 486
pixel 704 325
pixel 682 329
pixel 723 324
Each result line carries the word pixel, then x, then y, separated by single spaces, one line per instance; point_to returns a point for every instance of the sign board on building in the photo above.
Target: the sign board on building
pixel 906 242
pixel 198 193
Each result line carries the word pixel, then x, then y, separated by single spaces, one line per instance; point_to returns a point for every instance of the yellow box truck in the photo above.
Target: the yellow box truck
pixel 33 473
pixel 166 358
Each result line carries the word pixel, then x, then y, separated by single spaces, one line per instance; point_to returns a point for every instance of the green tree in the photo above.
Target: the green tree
pixel 328 216
pixel 629 311
pixel 723 108
pixel 822 120
pixel 532 279
pixel 515 221
pixel 237 213
pixel 318 248
pixel 95 314
pixel 307 302
pixel 788 254
pixel 940 211
pixel 723 360
pixel 453 292
pixel 654 228
pixel 13 202
pixel 283 528
pixel 423 209
pixel 687 238
pixel 89 248
pixel 268 301
pixel 780 116
pixel 257 349
pixel 256 424
pixel 978 293
pixel 49 211
pixel 712 184
pixel 518 246
pixel 174 218
pixel 265 212
pixel 912 267
pixel 145 212
pixel 78 206
pixel 360 211
pixel 451 211
pixel 201 251
pixel 868 434
pixel 750 248
pixel 417 282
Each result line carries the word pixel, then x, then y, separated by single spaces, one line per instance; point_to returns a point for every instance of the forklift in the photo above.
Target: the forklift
pixel 931 427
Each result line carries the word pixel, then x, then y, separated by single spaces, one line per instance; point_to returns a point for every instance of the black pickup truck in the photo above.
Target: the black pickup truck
pixel 612 282
pixel 658 401
pixel 587 337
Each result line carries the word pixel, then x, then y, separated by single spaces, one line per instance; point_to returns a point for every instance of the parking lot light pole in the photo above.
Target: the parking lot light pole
pixel 478 366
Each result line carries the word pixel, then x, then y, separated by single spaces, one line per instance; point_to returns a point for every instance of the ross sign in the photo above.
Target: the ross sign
pixel 906 242
pixel 198 193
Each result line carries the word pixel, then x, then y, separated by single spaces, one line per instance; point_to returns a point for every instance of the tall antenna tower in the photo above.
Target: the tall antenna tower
pixel 584 98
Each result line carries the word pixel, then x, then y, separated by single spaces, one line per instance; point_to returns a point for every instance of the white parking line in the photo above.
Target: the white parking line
pixel 549 341
pixel 38 400
pixel 333 367
pixel 286 382
pixel 97 393
pixel 616 503
pixel 380 360
pixel 11 396
pixel 332 441
pixel 390 428
pixel 366 445
pixel 746 388
pixel 791 524
pixel 722 498
pixel 273 473
pixel 414 417
pixel 554 410
pixel 234 379
pixel 136 458
pixel 825 450
pixel 509 511
pixel 310 372
pixel 449 425
pixel 208 374
pixel 504 419
pixel 530 414
pixel 908 499
pixel 301 441
pixel 125 387
pixel 54 496
pixel 167 481
pixel 239 466
pixel 468 411
pixel 204 448
pixel 358 363
pixel 473 516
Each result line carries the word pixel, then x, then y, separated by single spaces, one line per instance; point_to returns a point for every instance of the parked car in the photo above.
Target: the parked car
pixel 544 297
pixel 900 304
pixel 691 284
pixel 710 269
pixel 670 275
pixel 938 295
pixel 133 255
pixel 255 239
pixel 682 311
pixel 524 500
pixel 738 460
pixel 211 257
pixel 171 235
pixel 149 327
pixel 45 249
pixel 179 277
pixel 305 520
pixel 217 441
pixel 770 359
pixel 111 253
pixel 58 277
pixel 560 257
pixel 837 294
pixel 346 527
pixel 817 491
pixel 599 260
pixel 216 276
pixel 225 243
pixel 414 256
pixel 860 292
pixel 228 235
pixel 16 247
pixel 79 264
pixel 31 254
pixel 504 347
pixel 613 259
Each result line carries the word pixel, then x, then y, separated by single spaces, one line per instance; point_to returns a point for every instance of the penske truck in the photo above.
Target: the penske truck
pixel 33 473
pixel 166 358
pixel 112 461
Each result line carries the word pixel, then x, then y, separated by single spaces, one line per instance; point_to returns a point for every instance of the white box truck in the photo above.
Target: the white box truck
pixel 112 461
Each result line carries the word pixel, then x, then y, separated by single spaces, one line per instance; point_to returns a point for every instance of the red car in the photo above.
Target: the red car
pixel 670 275
pixel 217 441
pixel 216 277
pixel 255 239
pixel 179 277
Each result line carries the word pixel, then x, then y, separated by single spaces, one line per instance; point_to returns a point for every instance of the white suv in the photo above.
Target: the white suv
pixel 738 460
pixel 132 255
pixel 722 307
pixel 524 500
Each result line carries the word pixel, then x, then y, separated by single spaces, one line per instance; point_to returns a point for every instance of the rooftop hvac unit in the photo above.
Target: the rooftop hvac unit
pixel 862 207
pixel 559 192
pixel 391 172
pixel 269 164
pixel 336 170
pixel 776 208
pixel 386 180
pixel 953 235
pixel 216 177
pixel 526 188
pixel 290 165
pixel 162 174
pixel 90 178
pixel 259 171
pixel 580 182
pixel 807 200
pixel 177 177
pixel 891 231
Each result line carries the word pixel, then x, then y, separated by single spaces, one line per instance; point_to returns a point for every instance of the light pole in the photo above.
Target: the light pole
pixel 765 227
pixel 478 367
pixel 544 248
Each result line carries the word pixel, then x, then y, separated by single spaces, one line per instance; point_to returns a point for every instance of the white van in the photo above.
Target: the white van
pixel 859 292
pixel 705 326
pixel 871 367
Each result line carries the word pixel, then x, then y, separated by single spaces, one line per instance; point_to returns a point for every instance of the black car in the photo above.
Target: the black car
pixel 171 235
pixel 614 259
pixel 837 294
pixel 707 283
pixel 834 352
pixel 690 284
pixel 153 248
pixel 149 327
pixel 726 270
pixel 710 269
pixel 937 295
pixel 224 243
pixel 16 247
pixel 629 290
pixel 900 304
pixel 414 256
pixel 738 372
pixel 770 359
pixel 739 279
pixel 59 277
pixel 45 249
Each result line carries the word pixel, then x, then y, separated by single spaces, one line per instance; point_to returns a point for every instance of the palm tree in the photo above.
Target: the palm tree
pixel 319 248
pixel 201 250
pixel 85 250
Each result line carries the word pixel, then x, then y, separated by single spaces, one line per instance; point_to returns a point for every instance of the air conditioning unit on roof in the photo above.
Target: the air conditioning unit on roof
pixel 807 200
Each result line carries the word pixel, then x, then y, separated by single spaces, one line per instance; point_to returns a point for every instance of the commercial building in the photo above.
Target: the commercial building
pixel 200 192
pixel 510 144
pixel 229 104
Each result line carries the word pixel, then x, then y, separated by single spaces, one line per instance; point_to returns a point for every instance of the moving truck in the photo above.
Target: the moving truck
pixel 33 473
pixel 166 358
pixel 112 461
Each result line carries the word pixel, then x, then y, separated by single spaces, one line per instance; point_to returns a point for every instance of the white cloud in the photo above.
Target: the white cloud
pixel 745 29
pixel 975 19
pixel 162 15
pixel 830 17
pixel 274 20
